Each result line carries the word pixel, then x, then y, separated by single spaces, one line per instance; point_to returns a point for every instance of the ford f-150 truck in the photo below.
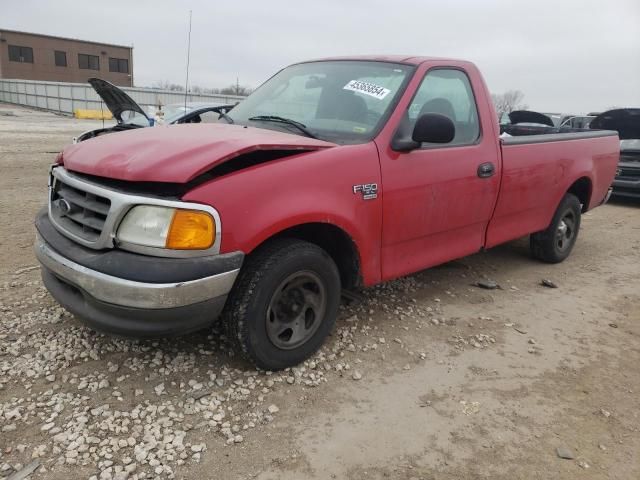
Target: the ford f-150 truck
pixel 333 174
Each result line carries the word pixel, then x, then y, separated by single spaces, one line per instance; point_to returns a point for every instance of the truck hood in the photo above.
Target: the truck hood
pixel 179 153
pixel 115 99
pixel 528 116
pixel 626 121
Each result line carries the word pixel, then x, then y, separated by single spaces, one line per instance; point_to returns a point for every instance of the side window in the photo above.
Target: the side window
pixel 60 58
pixel 88 62
pixel 120 65
pixel 448 92
pixel 20 54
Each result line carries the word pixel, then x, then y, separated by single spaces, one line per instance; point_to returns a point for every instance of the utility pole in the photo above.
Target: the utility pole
pixel 186 83
pixel 237 85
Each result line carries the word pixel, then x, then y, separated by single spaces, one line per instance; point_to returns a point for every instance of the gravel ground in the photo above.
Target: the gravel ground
pixel 426 377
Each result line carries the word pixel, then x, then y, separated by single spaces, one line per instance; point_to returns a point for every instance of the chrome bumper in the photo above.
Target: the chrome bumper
pixel 127 293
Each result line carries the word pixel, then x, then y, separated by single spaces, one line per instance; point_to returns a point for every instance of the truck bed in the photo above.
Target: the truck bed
pixel 536 168
pixel 556 133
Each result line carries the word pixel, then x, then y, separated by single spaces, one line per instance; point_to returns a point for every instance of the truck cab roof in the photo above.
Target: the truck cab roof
pixel 405 59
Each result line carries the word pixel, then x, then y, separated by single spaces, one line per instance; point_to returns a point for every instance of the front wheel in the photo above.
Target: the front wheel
pixel 284 303
pixel 555 243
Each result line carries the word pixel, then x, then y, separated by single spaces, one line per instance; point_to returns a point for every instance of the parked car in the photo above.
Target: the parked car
pixel 333 174
pixel 625 121
pixel 528 122
pixel 528 117
pixel 558 118
pixel 193 112
pixel 577 121
pixel 129 115
pixel 525 122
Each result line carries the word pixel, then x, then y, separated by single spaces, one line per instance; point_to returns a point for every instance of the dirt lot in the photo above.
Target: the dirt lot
pixel 427 377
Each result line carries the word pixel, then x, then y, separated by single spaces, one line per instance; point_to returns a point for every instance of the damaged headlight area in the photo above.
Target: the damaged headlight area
pixel 166 227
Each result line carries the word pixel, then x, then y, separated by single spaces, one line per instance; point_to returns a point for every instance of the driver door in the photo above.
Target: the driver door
pixel 436 202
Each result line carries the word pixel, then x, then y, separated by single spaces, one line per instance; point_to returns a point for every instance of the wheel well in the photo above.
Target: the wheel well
pixel 581 188
pixel 336 242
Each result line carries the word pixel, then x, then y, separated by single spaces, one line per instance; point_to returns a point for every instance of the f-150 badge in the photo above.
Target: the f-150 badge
pixel 369 191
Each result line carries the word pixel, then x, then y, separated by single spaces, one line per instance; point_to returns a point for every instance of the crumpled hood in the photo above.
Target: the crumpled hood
pixel 176 153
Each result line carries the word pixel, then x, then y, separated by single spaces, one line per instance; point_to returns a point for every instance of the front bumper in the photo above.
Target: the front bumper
pixel 627 182
pixel 131 294
pixel 626 188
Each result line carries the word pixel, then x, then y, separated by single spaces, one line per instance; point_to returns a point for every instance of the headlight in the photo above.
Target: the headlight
pixel 165 227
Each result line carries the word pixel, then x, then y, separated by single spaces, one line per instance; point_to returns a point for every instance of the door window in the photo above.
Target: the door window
pixel 448 92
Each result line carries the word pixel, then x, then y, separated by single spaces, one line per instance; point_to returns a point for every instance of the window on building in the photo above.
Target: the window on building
pixel 120 65
pixel 61 58
pixel 88 62
pixel 20 54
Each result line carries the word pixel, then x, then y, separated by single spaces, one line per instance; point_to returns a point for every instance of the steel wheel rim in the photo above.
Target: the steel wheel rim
pixel 296 310
pixel 566 230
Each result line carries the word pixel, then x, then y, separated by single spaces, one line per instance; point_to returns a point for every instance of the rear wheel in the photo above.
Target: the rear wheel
pixel 284 303
pixel 555 243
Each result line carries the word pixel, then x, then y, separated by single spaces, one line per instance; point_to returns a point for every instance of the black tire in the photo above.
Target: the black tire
pixel 277 288
pixel 555 243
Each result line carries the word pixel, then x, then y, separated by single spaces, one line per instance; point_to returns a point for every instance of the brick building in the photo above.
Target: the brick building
pixel 32 56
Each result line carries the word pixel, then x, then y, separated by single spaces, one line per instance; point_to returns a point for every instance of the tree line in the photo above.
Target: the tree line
pixel 508 101
pixel 196 89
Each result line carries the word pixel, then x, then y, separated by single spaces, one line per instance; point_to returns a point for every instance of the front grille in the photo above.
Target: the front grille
pixel 81 213
pixel 88 212
pixel 628 173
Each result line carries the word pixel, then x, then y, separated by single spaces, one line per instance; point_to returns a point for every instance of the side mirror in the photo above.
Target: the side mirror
pixel 430 127
pixel 433 128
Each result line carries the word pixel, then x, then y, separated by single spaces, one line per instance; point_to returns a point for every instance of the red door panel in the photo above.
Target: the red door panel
pixel 435 206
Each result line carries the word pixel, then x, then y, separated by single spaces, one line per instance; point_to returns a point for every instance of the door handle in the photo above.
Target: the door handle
pixel 486 170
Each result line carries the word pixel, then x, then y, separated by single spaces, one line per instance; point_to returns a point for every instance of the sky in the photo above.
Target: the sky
pixel 571 56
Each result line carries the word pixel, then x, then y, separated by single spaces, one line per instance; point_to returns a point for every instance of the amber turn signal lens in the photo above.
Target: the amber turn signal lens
pixel 191 230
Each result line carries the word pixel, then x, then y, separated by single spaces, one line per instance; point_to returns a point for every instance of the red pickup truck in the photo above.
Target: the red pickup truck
pixel 335 173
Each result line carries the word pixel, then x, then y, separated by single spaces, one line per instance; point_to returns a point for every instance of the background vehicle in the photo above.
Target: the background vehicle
pixel 625 121
pixel 129 115
pixel 578 121
pixel 528 117
pixel 558 118
pixel 333 174
pixel 193 112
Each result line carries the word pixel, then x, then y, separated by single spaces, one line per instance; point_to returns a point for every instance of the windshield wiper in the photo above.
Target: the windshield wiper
pixel 274 118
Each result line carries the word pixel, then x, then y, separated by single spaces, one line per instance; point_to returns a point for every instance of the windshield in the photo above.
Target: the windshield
pixel 337 101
